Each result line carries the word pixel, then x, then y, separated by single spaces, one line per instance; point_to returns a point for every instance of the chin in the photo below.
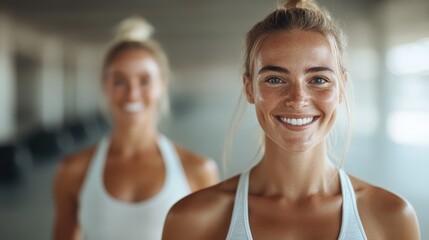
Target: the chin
pixel 131 120
pixel 298 146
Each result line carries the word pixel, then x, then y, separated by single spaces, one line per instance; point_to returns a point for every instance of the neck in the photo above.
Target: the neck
pixel 295 175
pixel 130 139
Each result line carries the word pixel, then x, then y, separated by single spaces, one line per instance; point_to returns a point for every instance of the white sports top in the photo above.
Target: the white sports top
pixel 102 217
pixel 351 226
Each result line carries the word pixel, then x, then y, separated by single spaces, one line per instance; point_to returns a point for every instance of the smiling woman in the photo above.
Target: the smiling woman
pixel 123 187
pixel 295 78
pixel 295 84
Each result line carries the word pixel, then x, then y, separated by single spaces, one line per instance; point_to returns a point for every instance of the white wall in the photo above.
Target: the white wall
pixel 7 84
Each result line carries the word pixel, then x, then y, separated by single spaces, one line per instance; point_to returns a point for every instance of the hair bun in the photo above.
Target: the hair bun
pixel 292 3
pixel 308 4
pixel 133 29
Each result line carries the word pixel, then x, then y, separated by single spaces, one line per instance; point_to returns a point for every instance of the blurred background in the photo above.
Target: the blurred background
pixel 51 102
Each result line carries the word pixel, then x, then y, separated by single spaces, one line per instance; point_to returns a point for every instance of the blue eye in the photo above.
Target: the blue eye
pixel 274 80
pixel 144 81
pixel 119 82
pixel 319 80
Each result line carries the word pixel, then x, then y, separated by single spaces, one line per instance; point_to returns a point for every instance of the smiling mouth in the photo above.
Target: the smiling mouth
pixel 297 121
pixel 134 107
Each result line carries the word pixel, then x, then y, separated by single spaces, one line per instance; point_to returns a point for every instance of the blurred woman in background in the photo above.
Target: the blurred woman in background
pixel 124 187
pixel 296 79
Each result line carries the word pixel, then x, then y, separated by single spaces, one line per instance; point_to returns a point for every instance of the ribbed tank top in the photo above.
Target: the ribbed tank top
pixel 102 217
pixel 351 226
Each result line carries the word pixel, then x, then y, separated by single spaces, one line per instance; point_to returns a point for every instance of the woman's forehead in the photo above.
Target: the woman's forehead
pixel 295 47
pixel 132 61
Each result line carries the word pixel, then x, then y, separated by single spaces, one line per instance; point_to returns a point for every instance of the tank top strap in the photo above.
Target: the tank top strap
pixel 95 170
pixel 351 226
pixel 101 153
pixel 240 227
pixel 173 164
pixel 168 151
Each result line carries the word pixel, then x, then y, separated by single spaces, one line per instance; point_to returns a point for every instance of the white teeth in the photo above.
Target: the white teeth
pixel 297 121
pixel 134 107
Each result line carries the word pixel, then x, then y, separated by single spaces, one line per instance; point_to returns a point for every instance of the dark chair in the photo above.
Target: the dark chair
pixel 15 161
pixel 48 145
pixel 87 131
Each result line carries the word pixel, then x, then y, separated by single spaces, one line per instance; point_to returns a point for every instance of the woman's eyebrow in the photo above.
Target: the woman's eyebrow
pixel 271 68
pixel 318 69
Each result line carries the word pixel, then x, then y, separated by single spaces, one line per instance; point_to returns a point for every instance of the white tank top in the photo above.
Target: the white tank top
pixel 351 226
pixel 102 217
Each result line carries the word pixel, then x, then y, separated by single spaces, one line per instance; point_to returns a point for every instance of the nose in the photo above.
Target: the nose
pixel 297 96
pixel 134 92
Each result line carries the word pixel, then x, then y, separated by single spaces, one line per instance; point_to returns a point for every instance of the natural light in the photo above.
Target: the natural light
pixel 409 127
pixel 409 58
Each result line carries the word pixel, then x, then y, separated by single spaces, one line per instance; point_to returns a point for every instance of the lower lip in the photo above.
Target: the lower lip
pixel 133 112
pixel 297 127
pixel 125 112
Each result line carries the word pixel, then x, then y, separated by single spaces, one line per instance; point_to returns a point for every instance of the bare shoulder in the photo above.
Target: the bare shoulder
pixel 204 214
pixel 68 181
pixel 200 171
pixel 384 214
pixel 72 170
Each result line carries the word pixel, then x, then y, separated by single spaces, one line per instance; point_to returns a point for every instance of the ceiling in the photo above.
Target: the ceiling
pixel 92 20
pixel 195 31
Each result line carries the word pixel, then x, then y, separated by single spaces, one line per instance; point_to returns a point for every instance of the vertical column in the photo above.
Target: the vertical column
pixel 381 149
pixel 7 80
pixel 52 81
pixel 383 86
pixel 88 83
pixel 70 84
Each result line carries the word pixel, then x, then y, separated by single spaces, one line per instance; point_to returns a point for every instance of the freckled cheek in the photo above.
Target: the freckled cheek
pixel 329 98
pixel 265 102
pixel 114 101
pixel 265 99
pixel 153 94
pixel 115 95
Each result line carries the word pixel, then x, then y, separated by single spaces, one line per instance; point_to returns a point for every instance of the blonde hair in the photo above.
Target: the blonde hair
pixel 135 33
pixel 302 15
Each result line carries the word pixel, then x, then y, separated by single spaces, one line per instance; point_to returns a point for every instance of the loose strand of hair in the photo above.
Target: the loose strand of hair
pixel 238 114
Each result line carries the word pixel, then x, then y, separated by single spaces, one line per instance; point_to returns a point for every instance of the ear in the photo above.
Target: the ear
pixel 346 77
pixel 248 89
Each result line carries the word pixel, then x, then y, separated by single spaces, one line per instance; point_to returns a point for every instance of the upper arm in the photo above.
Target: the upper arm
pixel 177 226
pixel 186 219
pixel 200 171
pixel 68 180
pixel 201 215
pixel 401 222
pixel 205 175
pixel 387 216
